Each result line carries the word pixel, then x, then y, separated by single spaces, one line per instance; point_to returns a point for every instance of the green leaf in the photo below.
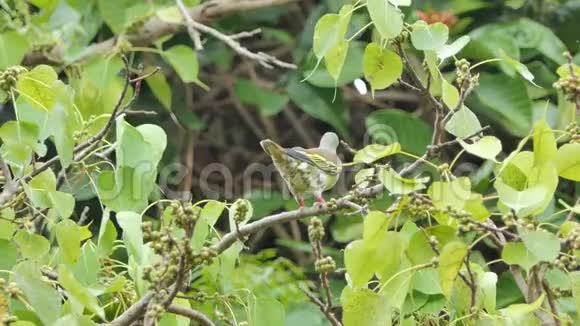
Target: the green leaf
pixel 450 262
pixel 450 95
pixel 130 223
pixel 31 245
pixel 335 59
pixel 520 314
pixel 520 68
pixel 7 224
pixel 138 153
pixel 568 161
pixel 391 248
pixel 68 237
pixel 375 152
pixel 463 123
pixel 160 89
pixel 429 37
pixel 398 185
pixel 19 142
pixel 13 47
pixel 487 147
pixel 184 60
pixel 9 255
pixel 363 307
pixel 450 194
pixel 326 34
pixel 506 101
pixel 389 126
pixel 427 281
pixel 575 282
pixel 319 104
pixel 269 103
pixel 387 19
pixel 381 67
pixel 545 147
pixel 63 203
pixel 352 69
pixel 376 225
pixel 522 202
pixel 544 245
pixel 207 218
pixel 488 283
pixel 38 86
pixel 449 50
pixel 359 262
pixel 114 14
pixel 44 299
pixel 76 290
pixel 107 234
pixel 516 253
pixel 267 311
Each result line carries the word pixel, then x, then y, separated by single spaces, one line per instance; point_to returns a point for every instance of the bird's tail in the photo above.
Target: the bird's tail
pixel 271 148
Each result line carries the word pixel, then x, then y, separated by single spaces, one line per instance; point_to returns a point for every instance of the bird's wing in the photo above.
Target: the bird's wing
pixel 314 157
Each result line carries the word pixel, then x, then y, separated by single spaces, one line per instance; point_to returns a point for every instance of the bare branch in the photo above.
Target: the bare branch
pixel 262 58
pixel 191 314
pixel 156 28
pixel 189 22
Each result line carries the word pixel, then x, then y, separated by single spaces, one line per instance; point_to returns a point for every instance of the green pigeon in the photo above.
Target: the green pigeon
pixel 307 171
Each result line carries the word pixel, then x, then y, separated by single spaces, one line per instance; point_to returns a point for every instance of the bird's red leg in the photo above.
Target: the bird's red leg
pixel 320 199
pixel 300 201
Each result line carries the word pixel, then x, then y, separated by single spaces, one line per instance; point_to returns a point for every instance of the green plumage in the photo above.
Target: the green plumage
pixel 307 171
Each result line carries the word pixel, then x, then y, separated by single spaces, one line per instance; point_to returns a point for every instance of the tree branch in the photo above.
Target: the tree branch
pixel 155 28
pixel 191 314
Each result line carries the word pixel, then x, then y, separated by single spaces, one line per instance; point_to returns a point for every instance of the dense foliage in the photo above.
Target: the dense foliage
pixel 134 189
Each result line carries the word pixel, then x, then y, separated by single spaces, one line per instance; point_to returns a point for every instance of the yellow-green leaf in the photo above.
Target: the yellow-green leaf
pixel 374 152
pixel 568 161
pixel 487 147
pixel 69 240
pixel 388 20
pixel 545 147
pixel 450 262
pixel 37 86
pixel 381 67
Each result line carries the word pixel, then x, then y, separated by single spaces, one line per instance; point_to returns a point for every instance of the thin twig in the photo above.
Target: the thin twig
pixel 329 315
pixel 190 22
pixel 191 314
pixel 262 58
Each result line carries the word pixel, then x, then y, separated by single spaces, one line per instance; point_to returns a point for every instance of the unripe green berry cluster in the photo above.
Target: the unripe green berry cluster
pixel 315 230
pixel 566 262
pixel 9 77
pixel 241 211
pixel 184 215
pixel 569 86
pixel 206 255
pixel 465 79
pixel 573 129
pixel 11 288
pixel 420 206
pixel 561 293
pixel 573 238
pixel 325 265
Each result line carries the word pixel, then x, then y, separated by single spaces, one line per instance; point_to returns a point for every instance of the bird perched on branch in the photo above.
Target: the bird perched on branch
pixel 307 171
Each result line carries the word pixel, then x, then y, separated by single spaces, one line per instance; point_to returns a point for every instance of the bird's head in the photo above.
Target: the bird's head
pixel 329 141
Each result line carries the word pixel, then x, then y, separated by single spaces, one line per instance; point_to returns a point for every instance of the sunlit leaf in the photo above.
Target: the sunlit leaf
pixel 130 223
pixel 365 307
pixel 161 89
pixel 374 152
pixel 429 37
pixel 450 194
pixel 522 202
pixel 359 262
pixel 463 123
pixel 449 94
pixel 13 47
pixel 184 60
pixel 449 50
pixel 487 147
pixel 31 245
pixel 68 237
pixel 44 299
pixel 37 86
pixel 398 185
pixel 381 67
pixel 450 262
pixel 388 20
pixel 568 161
pixel 545 147
pixel 75 289
pixel 544 245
